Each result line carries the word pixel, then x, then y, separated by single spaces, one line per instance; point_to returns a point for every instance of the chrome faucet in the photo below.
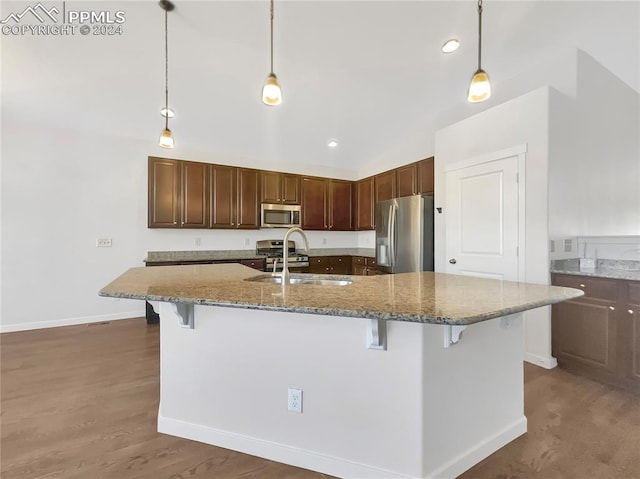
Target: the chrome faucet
pixel 285 251
pixel 275 265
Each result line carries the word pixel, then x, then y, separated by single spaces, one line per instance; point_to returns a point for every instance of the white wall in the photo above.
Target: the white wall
pixel 594 176
pixel 583 162
pixel 62 189
pixel 521 121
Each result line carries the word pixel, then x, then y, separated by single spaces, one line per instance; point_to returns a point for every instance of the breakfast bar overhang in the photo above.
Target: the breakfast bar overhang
pixel 414 375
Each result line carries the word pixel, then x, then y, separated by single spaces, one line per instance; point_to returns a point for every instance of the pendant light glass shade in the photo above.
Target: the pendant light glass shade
pixel 271 93
pixel 480 88
pixel 166 139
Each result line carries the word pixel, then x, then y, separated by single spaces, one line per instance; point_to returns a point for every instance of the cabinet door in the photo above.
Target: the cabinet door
pixel 630 332
pixel 247 199
pixel 340 265
pixel 271 187
pixel 223 196
pixel 313 204
pixel 406 177
pixel 385 186
pixel 319 264
pixel 340 209
pixel 425 177
pixel 364 204
pixel 163 193
pixel 195 195
pixel 290 189
pixel 584 337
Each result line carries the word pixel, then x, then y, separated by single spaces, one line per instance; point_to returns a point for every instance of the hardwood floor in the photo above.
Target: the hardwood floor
pixel 81 402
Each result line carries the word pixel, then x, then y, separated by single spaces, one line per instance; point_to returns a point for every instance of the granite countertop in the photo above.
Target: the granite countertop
pixel 604 268
pixel 424 297
pixel 212 255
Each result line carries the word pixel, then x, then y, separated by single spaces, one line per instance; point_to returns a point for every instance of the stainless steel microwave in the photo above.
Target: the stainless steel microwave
pixel 280 216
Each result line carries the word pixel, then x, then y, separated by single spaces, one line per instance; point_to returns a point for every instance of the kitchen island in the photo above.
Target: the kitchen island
pixel 389 387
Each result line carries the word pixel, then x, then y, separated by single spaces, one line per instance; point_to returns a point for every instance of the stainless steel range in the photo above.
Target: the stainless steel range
pixel 273 250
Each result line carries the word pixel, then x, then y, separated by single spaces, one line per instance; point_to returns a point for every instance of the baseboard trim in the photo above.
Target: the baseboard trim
pixel 10 328
pixel 544 362
pixel 331 465
pixel 274 451
pixel 473 456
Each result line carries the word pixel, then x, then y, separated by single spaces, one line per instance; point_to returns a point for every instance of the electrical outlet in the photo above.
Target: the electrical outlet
pixel 324 240
pixel 198 241
pixel 294 400
pixel 247 242
pixel 103 242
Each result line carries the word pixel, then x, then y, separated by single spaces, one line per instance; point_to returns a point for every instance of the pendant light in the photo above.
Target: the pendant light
pixel 479 89
pixel 166 138
pixel 271 93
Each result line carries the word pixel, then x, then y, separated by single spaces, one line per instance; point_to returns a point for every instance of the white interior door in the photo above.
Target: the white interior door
pixel 482 213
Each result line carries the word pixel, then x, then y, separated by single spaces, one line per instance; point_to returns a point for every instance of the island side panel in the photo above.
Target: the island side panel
pixel 225 383
pixel 473 394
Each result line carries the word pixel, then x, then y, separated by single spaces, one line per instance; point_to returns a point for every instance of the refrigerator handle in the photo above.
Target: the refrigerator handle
pixel 392 235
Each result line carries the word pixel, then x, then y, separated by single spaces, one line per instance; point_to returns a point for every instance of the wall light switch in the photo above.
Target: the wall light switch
pixel 103 242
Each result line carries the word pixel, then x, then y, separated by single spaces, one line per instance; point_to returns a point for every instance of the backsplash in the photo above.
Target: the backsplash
pixel 625 248
pixel 609 247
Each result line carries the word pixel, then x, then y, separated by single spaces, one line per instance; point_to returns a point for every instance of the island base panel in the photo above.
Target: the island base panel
pixel 415 410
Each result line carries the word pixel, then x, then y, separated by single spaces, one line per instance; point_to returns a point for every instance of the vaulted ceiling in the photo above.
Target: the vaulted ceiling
pixel 362 72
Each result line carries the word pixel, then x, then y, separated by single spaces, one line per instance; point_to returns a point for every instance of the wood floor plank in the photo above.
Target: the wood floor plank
pixel 81 402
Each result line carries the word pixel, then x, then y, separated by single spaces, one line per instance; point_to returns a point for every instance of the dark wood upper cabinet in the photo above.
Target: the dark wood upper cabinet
pixel 326 204
pixel 407 180
pixel 195 195
pixel 313 204
pixel 234 197
pixel 340 209
pixel 177 194
pixel 385 185
pixel 426 176
pixel 223 196
pixel 364 204
pixel 186 194
pixel 248 193
pixel 283 188
pixel 163 193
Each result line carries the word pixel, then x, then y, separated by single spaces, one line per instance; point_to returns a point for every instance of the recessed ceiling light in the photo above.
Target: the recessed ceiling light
pixel 450 46
pixel 332 144
pixel 166 111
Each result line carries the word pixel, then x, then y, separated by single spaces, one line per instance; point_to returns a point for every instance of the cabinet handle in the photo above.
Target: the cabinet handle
pixel 612 308
pixel 630 311
pixel 582 285
pixel 232 223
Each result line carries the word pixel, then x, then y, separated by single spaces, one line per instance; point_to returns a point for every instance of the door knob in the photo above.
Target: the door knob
pixel 452 261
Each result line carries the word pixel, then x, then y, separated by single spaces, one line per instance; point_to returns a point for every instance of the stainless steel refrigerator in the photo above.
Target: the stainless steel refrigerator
pixel 404 234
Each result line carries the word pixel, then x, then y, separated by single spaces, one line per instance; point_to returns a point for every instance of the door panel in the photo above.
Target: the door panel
pixel 482 220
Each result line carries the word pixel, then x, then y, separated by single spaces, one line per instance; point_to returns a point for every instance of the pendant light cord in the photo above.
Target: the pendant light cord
pixel 479 32
pixel 166 70
pixel 271 36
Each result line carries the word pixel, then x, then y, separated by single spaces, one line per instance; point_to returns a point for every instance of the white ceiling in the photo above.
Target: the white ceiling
pixel 362 72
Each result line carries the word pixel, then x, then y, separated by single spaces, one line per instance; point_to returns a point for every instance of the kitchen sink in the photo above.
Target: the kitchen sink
pixel 304 279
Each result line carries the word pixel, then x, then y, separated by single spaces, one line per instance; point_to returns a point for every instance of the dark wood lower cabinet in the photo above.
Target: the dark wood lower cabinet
pixel 330 264
pixel 598 334
pixel 363 266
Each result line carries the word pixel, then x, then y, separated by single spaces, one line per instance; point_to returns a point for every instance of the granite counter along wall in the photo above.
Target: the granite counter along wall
pixel 615 257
